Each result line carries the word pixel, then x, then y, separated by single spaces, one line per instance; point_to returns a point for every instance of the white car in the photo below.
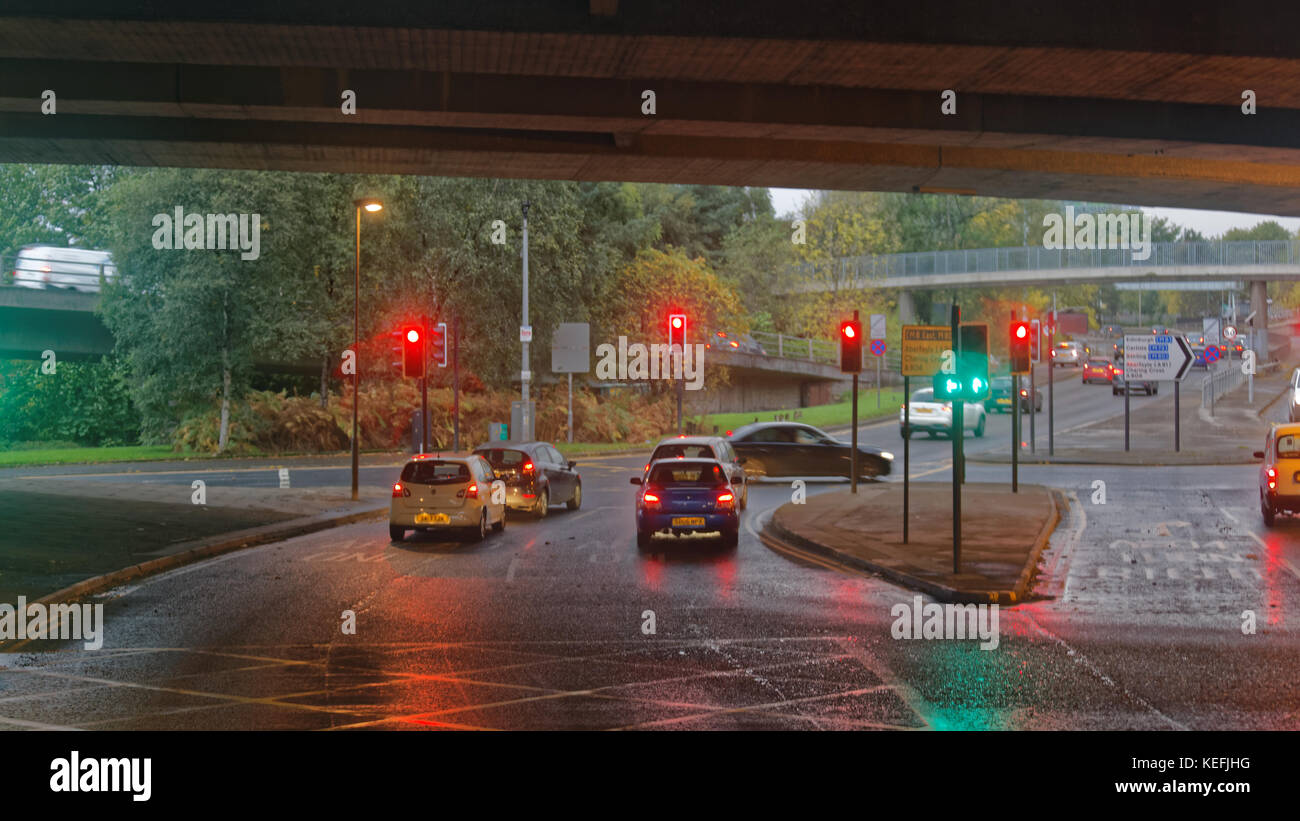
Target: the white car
pixel 76 269
pixel 1068 353
pixel 1293 412
pixel 447 493
pixel 936 417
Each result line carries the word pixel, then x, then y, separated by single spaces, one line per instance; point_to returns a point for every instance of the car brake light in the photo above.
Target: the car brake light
pixel 470 492
pixel 650 498
pixel 398 490
pixel 1272 479
pixel 528 467
pixel 726 498
pixel 1024 392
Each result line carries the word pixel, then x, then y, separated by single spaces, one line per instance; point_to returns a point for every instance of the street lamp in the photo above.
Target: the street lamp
pixel 372 205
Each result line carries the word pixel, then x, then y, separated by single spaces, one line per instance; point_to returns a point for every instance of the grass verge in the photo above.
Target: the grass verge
pixel 821 416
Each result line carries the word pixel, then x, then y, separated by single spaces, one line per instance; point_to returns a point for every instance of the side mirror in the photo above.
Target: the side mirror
pixel 572 465
pixel 1259 454
pixel 635 480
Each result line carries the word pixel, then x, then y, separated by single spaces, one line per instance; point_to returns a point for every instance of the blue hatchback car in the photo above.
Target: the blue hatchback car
pixel 684 496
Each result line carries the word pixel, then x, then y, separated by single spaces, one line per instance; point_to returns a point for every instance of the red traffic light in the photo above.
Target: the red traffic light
pixel 677 322
pixel 677 329
pixel 412 335
pixel 850 346
pixel 848 330
pixel 413 351
pixel 1021 331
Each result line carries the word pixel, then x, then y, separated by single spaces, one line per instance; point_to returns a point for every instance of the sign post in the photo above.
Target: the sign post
pixel 570 354
pixel 921 355
pixel 958 432
pixel 1155 358
pixel 878 335
pixel 1035 356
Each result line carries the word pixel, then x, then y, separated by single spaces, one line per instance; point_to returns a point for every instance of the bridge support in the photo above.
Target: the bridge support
pixel 1259 305
pixel 906 308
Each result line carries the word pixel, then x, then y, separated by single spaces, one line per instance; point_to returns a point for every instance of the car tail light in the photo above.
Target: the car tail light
pixel 726 499
pixel 650 499
pixel 1024 392
pixel 1272 479
pixel 947 406
pixel 728 433
pixel 397 489
pixel 470 492
pixel 528 467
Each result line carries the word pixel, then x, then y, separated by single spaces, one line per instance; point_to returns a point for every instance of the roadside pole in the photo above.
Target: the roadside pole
pixel 1051 383
pixel 958 406
pixel 1177 417
pixel 1033 391
pixel 878 358
pixel 907 447
pixel 424 410
pixel 455 384
pixel 853 454
pixel 1126 395
pixel 570 425
pixel 1015 431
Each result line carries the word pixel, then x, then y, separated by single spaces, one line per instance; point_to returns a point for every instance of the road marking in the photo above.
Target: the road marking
pixel 1252 534
pixel 510 572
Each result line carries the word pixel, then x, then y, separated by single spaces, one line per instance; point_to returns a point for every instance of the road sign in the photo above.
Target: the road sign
pixel 1229 333
pixel 1210 329
pixel 1156 358
pixel 878 326
pixel 525 333
pixel 1211 354
pixel 878 347
pixel 1035 348
pixel 923 347
pixel 571 348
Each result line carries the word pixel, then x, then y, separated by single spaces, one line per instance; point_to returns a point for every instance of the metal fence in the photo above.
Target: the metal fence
pixel 1224 376
pixel 72 269
pixel 875 267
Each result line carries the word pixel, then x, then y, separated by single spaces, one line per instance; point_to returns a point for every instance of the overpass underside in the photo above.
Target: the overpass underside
pixel 1049 102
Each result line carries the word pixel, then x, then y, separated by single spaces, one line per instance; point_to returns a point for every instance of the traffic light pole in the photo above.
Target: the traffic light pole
pixel 1051 393
pixel 356 371
pixel 424 413
pixel 958 406
pixel 853 453
pixel 907 447
pixel 525 375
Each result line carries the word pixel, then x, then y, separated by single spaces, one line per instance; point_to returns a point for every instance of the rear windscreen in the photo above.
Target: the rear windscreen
pixel 435 472
pixel 670 474
pixel 503 457
pixel 1288 447
pixel 676 451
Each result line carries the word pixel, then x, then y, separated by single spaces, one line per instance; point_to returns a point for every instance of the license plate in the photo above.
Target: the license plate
pixel 688 521
pixel 1004 401
pixel 923 410
pixel 432 518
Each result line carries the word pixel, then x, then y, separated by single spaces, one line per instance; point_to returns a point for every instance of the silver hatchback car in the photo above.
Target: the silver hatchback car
pixel 447 493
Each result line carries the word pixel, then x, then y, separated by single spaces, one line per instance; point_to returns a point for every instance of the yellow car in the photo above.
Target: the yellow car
pixel 447 493
pixel 1279 475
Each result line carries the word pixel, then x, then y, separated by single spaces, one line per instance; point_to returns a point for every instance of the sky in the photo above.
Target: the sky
pixel 1210 223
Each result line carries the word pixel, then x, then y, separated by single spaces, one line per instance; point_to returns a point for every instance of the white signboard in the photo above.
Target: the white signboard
pixel 525 333
pixel 1210 330
pixel 1156 357
pixel 877 326
pixel 1229 333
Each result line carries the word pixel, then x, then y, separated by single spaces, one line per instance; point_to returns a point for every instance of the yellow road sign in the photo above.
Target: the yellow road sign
pixel 923 346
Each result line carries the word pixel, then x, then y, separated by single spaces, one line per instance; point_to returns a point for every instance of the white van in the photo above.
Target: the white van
pixel 49 266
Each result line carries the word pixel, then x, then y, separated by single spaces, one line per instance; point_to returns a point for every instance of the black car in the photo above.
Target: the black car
pixel 536 476
pixel 793 449
pixel 706 447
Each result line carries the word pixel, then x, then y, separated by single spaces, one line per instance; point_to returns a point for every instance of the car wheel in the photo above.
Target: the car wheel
pixel 730 538
pixel 979 427
pixel 480 533
pixel 576 501
pixel 501 525
pixel 543 503
pixel 1266 510
pixel 396 534
pixel 1114 391
pixel 643 540
pixel 930 433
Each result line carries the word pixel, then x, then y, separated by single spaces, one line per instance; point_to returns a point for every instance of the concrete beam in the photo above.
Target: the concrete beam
pixel 1067 276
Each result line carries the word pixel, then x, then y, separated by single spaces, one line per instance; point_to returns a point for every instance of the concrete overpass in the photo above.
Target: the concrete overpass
pixel 1131 102
pixel 1174 264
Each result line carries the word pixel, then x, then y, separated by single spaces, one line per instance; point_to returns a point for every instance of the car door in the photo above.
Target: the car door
pixel 727 455
pixel 554 472
pixel 568 477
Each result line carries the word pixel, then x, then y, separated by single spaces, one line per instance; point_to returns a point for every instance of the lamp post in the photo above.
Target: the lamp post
pixel 372 205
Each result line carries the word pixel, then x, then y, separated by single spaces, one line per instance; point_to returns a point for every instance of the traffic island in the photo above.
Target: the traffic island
pixel 1003 534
